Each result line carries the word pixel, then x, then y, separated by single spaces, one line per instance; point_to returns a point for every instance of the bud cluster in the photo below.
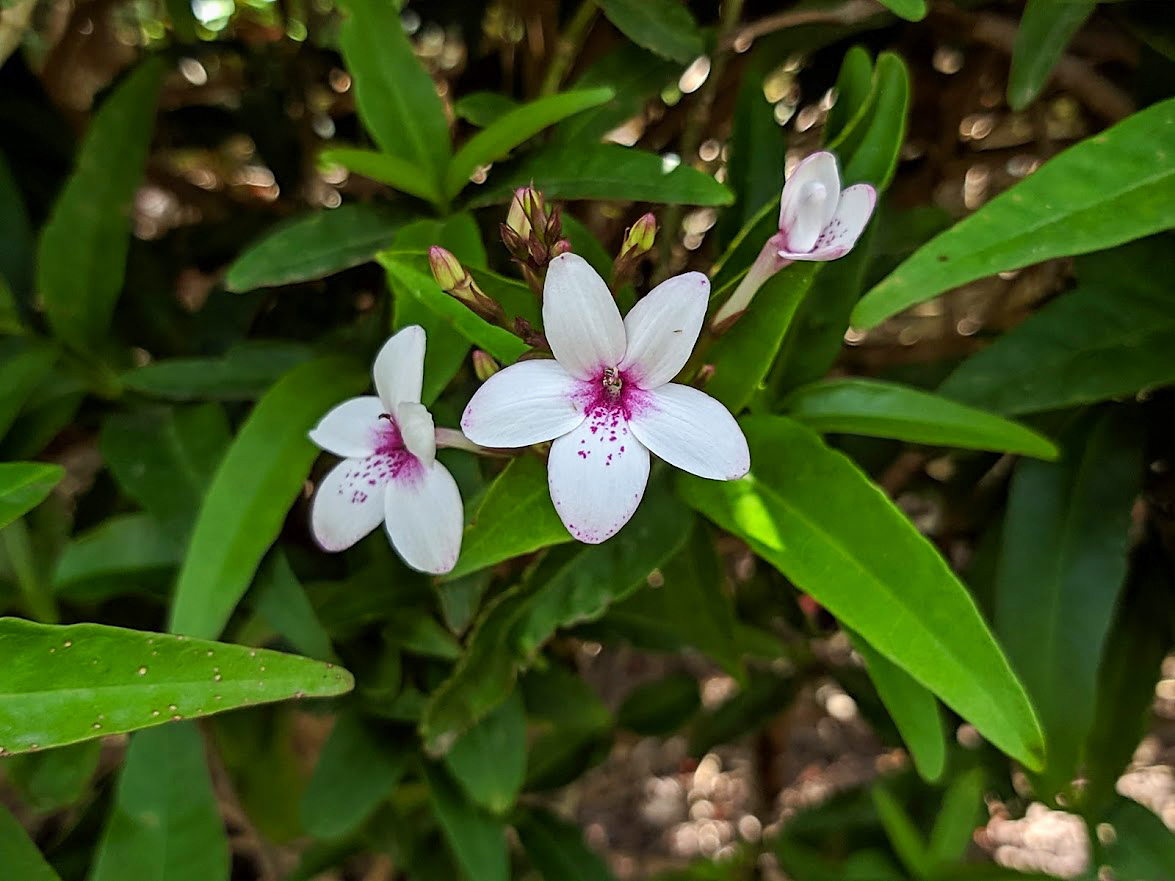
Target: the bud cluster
pixel 532 234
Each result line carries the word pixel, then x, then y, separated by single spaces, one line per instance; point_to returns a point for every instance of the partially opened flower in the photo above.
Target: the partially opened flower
pixel 817 221
pixel 389 471
pixel 606 401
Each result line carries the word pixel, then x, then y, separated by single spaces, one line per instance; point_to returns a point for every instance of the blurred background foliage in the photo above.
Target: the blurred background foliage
pixel 192 200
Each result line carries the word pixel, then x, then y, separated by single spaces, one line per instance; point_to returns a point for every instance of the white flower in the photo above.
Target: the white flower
pixel 389 471
pixel 817 221
pixel 607 401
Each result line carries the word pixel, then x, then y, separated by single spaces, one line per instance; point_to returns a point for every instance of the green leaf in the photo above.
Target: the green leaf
pixel 1046 26
pixel 357 770
pixel 515 517
pixel 1142 847
pixel 883 131
pixel 660 707
pixel 122 544
pixel 54 779
pixel 165 824
pixel 875 408
pixel 16 237
pixel 742 357
pixel 664 26
pixel 81 258
pixel 483 108
pixel 913 708
pixel 855 86
pixel 958 816
pixel 1108 337
pixel 1108 189
pixel 257 480
pixel 416 631
pixel 603 171
pixel 314 245
pixel 557 850
pixel 243 373
pixel 515 127
pixel 811 513
pixel 902 833
pixel 165 458
pixel 64 684
pixel 489 760
pixel 499 342
pixel 477 840
pixel 396 98
pixel 1062 565
pixel 18 855
pixel 281 600
pixel 24 367
pixel 758 148
pixel 23 486
pixel 395 171
pixel 911 10
pixel 10 320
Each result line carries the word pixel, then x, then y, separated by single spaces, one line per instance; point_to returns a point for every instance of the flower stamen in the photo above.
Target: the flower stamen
pixel 612 383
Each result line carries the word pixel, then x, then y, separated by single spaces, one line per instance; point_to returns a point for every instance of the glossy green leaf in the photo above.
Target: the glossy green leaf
pixel 395 171
pixel 515 517
pixel 165 824
pixel 1046 27
pixel 958 816
pixel 661 707
pixel 883 131
pixel 314 245
pixel 1062 565
pixel 515 127
pixel 165 458
pixel 489 760
pixel 903 835
pixel 1105 190
pixel 64 684
pixel 18 855
pixel 24 367
pixel 81 258
pixel 483 108
pixel 811 513
pixel 395 96
pixel 257 480
pixel 54 779
pixel 911 10
pixel 243 373
pixel 913 708
pixel 23 486
pixel 122 544
pixel 875 408
pixel 1108 337
pixel 498 341
pixel 603 171
pixel 477 840
pixel 663 26
pixel 281 600
pixel 358 769
pixel 742 357
pixel 557 850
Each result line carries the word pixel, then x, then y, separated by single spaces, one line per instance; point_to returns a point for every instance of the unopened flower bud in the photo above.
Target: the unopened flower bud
pixel 518 218
pixel 703 376
pixel 483 365
pixel 446 269
pixel 640 237
pixel 560 247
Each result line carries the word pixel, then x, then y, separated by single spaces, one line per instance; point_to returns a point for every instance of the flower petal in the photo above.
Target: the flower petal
pixel 663 328
pixel 689 429
pixel 809 200
pixel 351 429
pixel 525 403
pixel 852 216
pixel 417 431
pixel 399 368
pixel 348 505
pixel 424 518
pixel 580 318
pixel 597 475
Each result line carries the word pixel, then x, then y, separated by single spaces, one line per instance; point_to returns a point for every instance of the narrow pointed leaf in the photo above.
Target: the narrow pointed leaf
pixel 257 480
pixel 557 849
pixel 23 486
pixel 663 26
pixel 18 855
pixel 489 760
pixel 957 818
pixel 477 840
pixel 24 368
pixel 515 127
pixel 1112 188
pixel 243 373
pixel 81 258
pixel 902 833
pixel 165 824
pixel 884 409
pixel 62 684
pixel 399 173
pixel 314 245
pixel 836 535
pixel 1046 27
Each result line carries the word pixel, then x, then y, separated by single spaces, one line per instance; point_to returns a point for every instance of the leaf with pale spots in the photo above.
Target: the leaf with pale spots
pixel 65 684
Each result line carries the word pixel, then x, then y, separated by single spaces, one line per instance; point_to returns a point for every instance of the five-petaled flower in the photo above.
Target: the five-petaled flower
pixel 606 400
pixel 817 221
pixel 389 471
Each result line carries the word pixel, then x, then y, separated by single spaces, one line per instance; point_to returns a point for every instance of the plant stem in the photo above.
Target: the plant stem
pixel 567 49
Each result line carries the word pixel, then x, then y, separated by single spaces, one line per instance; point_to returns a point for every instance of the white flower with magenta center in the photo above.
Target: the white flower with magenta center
pixel 606 400
pixel 389 471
